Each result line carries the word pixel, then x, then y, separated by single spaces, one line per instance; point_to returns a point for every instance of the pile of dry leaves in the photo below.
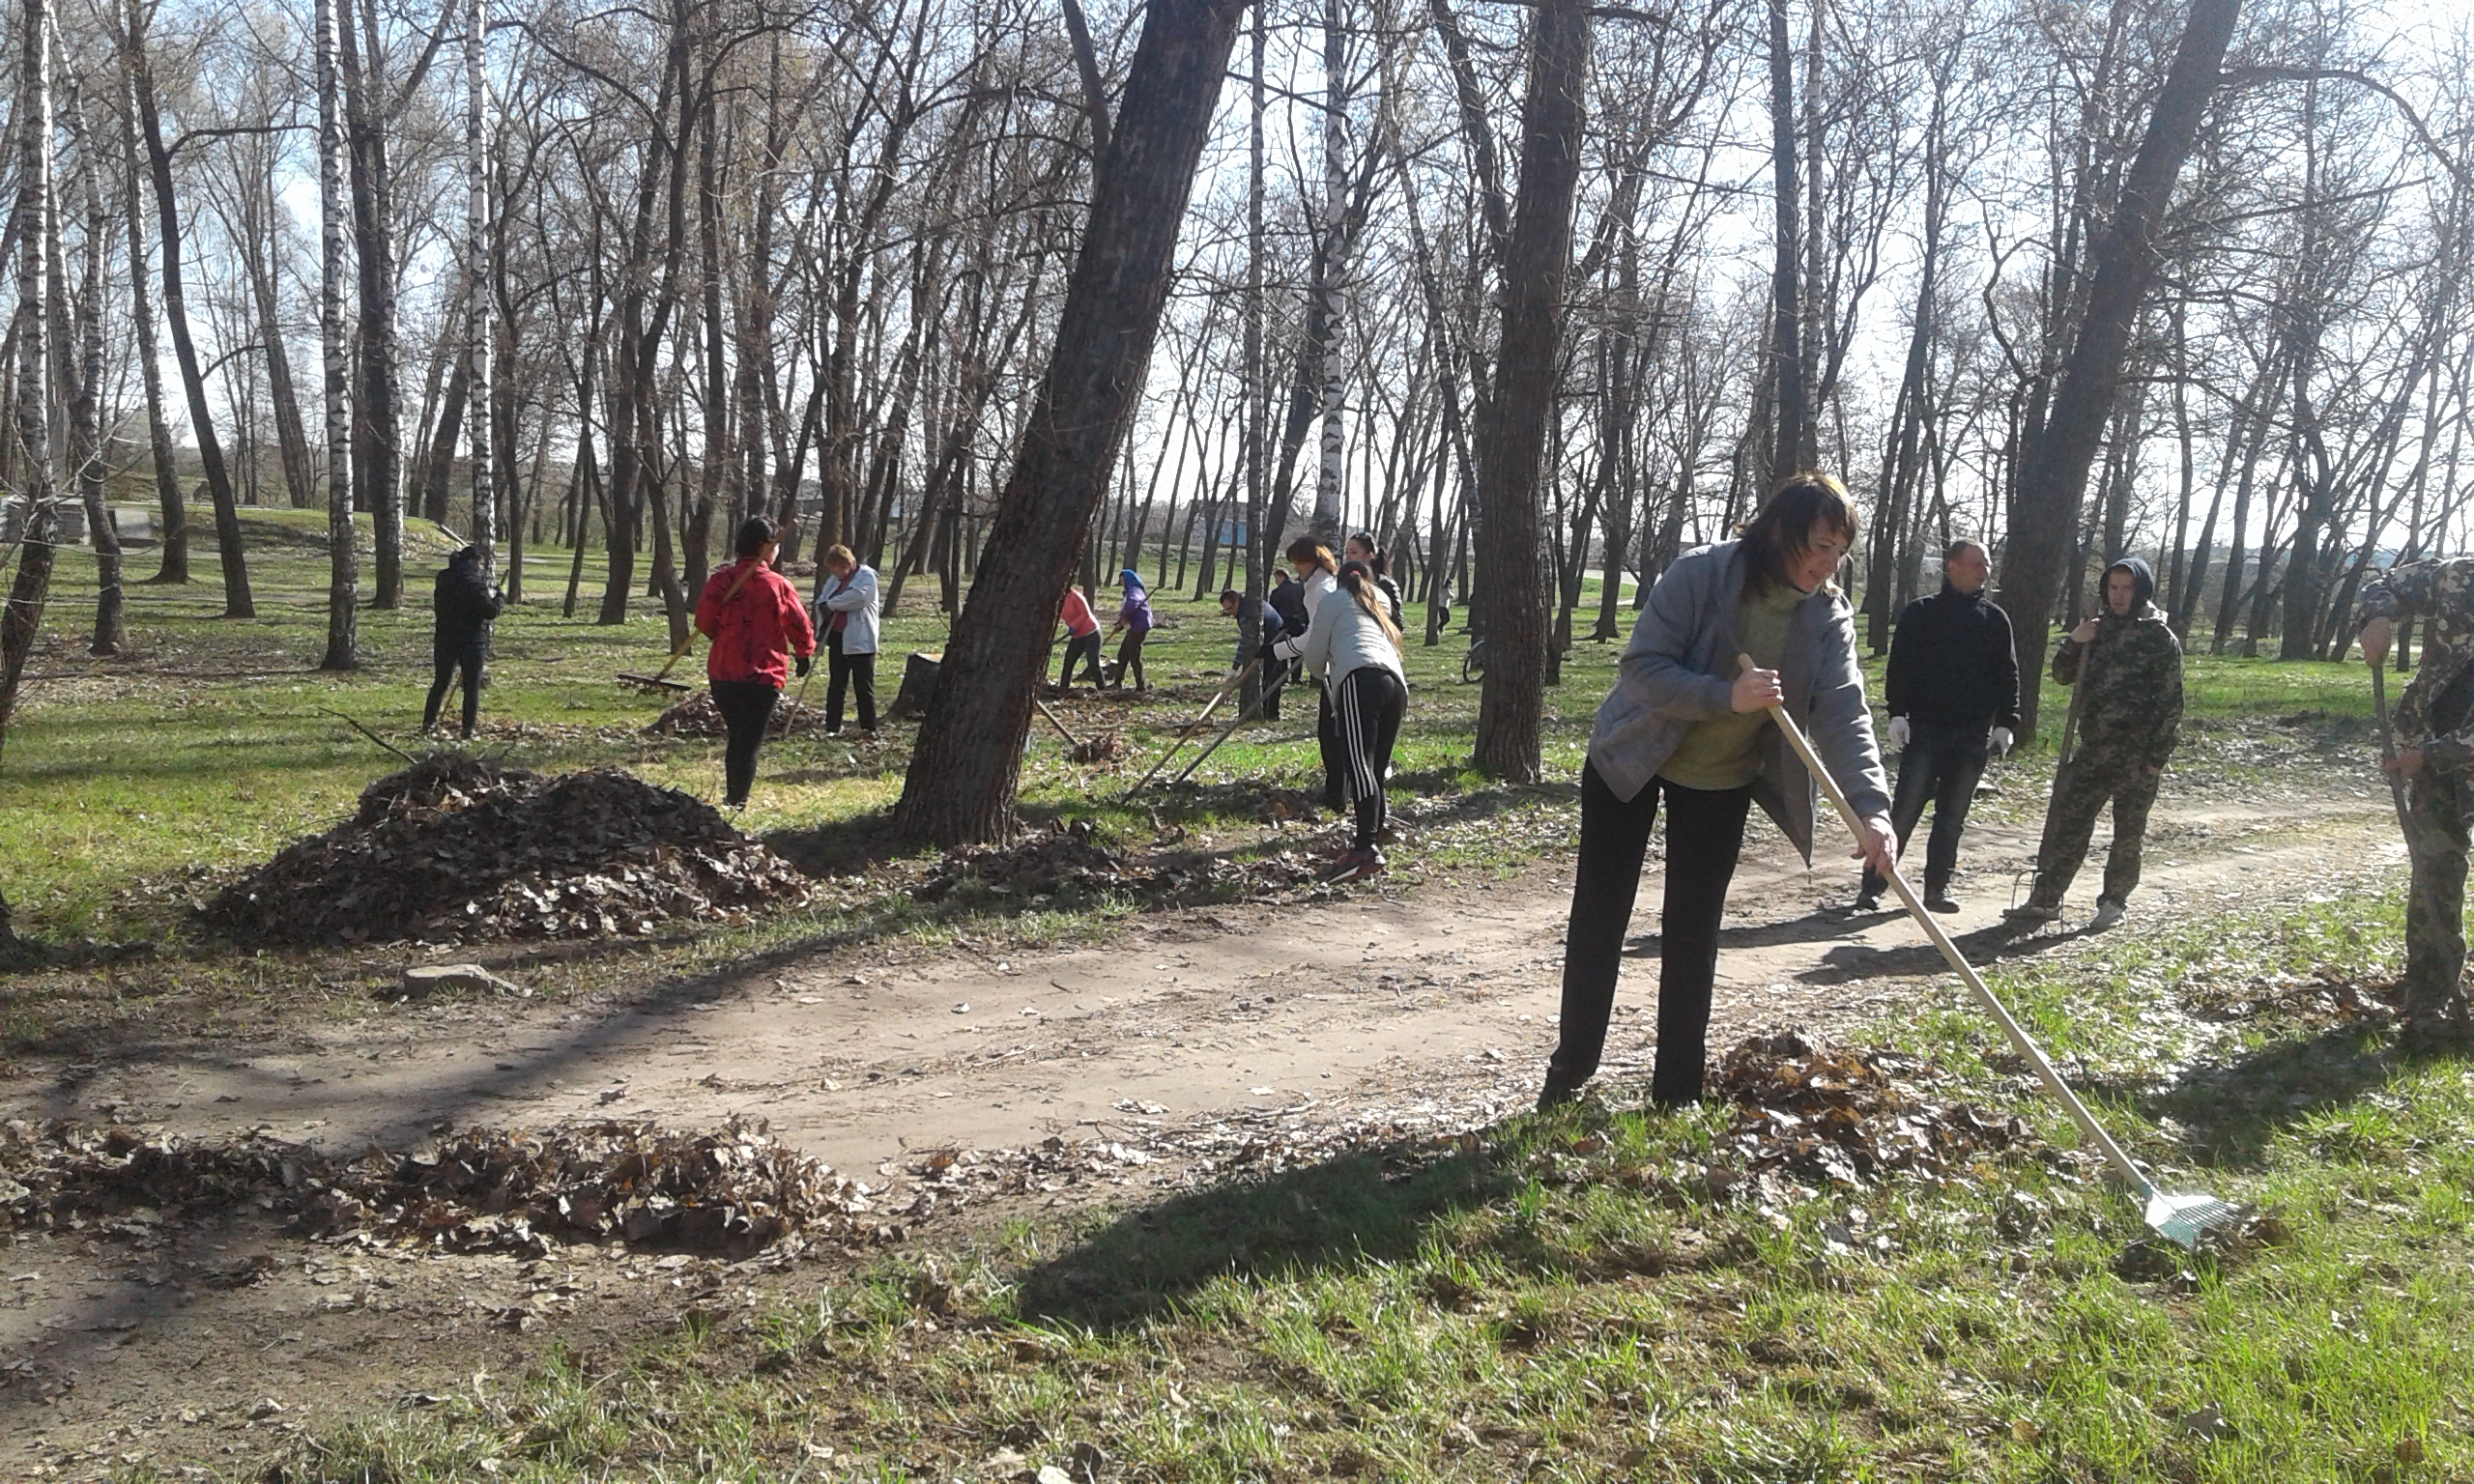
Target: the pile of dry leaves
pixel 455 848
pixel 1066 859
pixel 731 1191
pixel 1847 1118
pixel 698 717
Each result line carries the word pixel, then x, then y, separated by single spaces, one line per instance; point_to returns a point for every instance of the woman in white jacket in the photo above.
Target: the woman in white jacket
pixel 1321 575
pixel 1355 646
pixel 846 614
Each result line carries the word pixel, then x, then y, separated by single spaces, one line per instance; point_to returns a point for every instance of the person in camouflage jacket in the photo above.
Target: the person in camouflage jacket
pixel 2129 669
pixel 2435 754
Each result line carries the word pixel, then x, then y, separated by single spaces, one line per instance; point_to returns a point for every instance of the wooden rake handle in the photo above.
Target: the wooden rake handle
pixel 2020 1040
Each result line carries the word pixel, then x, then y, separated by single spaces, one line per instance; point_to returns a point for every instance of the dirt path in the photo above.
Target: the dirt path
pixel 1340 1003
pixel 1439 1004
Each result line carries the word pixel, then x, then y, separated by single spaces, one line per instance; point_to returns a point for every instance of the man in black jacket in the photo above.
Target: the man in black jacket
pixel 1953 698
pixel 464 604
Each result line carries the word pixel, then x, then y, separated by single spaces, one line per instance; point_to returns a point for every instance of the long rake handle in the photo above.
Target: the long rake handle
pixel 1984 995
pixel 2388 751
pixel 1193 727
pixel 1224 732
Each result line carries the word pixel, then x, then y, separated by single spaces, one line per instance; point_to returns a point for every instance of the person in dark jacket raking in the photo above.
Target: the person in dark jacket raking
pixel 463 604
pixel 1953 699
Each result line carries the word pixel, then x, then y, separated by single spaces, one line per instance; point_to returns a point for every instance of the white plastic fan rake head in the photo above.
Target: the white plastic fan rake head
pixel 2184 1218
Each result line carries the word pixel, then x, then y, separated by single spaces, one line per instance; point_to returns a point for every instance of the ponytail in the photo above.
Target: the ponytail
pixel 1357 581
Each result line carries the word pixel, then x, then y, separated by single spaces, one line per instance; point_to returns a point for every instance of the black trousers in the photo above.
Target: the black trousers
pixel 1085 647
pixel 1704 836
pixel 1130 659
pixel 1327 742
pixel 747 709
pixel 852 671
pixel 1940 765
pixel 1372 703
pixel 451 659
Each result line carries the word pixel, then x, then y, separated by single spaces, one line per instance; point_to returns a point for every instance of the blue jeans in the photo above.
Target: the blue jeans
pixel 1941 765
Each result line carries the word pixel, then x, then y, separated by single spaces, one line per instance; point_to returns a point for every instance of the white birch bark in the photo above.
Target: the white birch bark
pixel 32 587
pixel 343 559
pixel 1330 478
pixel 478 319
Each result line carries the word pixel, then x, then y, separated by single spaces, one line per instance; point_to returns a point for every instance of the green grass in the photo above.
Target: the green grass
pixel 1534 1301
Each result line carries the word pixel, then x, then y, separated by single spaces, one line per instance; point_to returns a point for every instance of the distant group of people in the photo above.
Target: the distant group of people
pixel 1687 728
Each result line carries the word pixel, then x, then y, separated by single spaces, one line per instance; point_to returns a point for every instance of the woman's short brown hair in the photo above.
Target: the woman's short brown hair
pixel 839 556
pixel 1782 530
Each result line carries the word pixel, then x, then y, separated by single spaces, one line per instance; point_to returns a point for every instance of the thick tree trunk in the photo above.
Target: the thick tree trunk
pixel 1511 439
pixel 2055 472
pixel 343 556
pixel 236 601
pixel 964 771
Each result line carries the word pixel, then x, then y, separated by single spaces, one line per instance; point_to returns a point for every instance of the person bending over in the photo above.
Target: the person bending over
pixel 1686 724
pixel 1135 618
pixel 1081 638
pixel 845 610
pixel 1953 700
pixel 462 605
pixel 757 623
pixel 1356 648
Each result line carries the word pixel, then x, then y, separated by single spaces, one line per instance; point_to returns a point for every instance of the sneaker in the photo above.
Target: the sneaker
pixel 1940 902
pixel 1356 866
pixel 2031 912
pixel 2108 912
pixel 1869 902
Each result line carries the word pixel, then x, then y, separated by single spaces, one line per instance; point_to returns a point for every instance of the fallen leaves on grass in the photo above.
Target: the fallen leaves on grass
pixel 698 717
pixel 1846 1117
pixel 734 1190
pixel 455 849
pixel 1066 859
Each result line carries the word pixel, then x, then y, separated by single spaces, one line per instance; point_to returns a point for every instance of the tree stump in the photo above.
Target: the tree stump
pixel 918 684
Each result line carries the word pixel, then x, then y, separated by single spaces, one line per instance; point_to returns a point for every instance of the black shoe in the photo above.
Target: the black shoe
pixel 1940 902
pixel 1356 866
pixel 1558 1092
pixel 1869 902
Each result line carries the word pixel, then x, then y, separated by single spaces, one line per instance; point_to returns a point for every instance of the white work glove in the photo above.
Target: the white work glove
pixel 1898 732
pixel 2002 740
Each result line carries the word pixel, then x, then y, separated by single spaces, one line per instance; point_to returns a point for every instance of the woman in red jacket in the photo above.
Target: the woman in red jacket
pixel 756 621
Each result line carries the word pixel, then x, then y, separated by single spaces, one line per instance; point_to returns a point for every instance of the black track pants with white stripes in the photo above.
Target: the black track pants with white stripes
pixel 1368 716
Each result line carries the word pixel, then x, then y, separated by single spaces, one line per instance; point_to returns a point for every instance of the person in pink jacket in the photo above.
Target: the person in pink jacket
pixel 1082 638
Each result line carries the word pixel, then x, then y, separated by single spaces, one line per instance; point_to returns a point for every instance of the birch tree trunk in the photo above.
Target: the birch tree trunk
pixel 343 558
pixel 1328 355
pixel 1511 442
pixel 480 323
pixel 83 372
pixel 32 588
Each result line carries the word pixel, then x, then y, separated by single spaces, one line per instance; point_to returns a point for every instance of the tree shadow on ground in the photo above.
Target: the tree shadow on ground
pixel 1372 1204
pixel 2235 1110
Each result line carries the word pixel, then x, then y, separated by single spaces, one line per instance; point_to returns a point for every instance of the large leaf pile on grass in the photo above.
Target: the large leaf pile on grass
pixel 456 849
